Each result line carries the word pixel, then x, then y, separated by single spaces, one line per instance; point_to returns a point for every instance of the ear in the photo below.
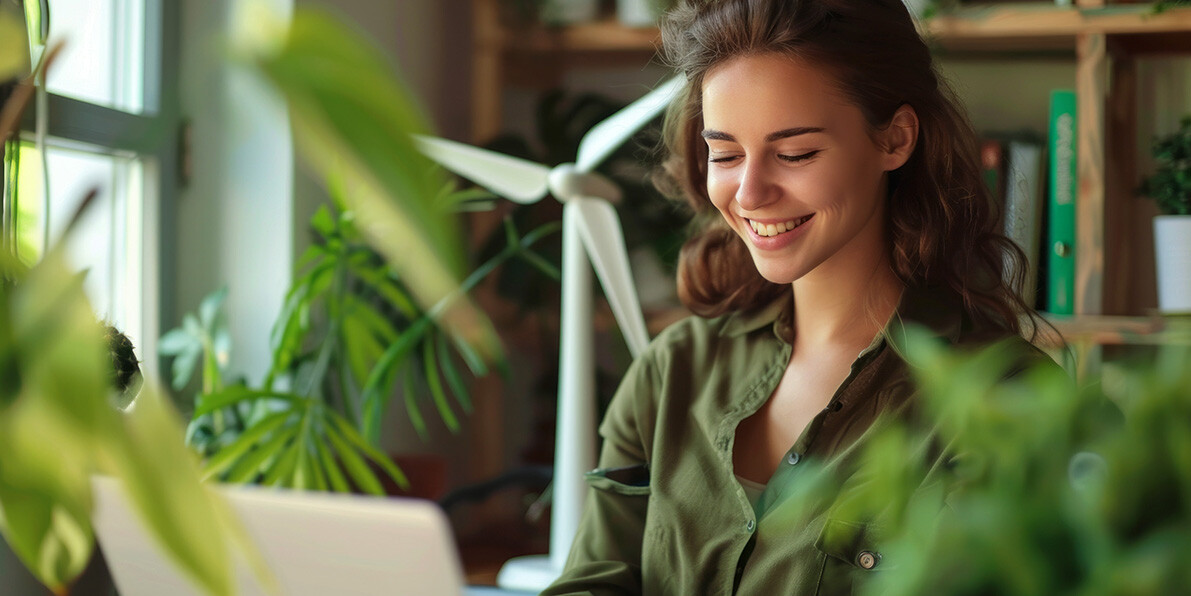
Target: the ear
pixel 899 138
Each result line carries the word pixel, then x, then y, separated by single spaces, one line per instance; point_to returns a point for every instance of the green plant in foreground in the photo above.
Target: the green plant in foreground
pixel 1170 186
pixel 1049 490
pixel 58 428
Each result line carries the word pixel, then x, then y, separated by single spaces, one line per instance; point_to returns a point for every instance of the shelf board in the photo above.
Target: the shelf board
pixel 606 35
pixel 1107 330
pixel 1027 27
pixel 1046 27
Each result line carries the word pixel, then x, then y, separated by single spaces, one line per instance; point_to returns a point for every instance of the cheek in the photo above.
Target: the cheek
pixel 721 189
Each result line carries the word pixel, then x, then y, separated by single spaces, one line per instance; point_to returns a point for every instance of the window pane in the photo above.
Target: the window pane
pixel 29 205
pixel 103 60
pixel 106 242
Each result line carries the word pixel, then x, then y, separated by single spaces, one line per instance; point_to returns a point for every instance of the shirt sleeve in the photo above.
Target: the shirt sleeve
pixel 605 559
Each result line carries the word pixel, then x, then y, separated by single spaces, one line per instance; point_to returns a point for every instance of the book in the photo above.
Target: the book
pixel 1064 184
pixel 1025 173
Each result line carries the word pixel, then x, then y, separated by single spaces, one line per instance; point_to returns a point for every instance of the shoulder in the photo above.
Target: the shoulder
pixel 698 343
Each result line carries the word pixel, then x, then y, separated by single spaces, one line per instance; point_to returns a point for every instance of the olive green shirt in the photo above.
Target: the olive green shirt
pixel 667 516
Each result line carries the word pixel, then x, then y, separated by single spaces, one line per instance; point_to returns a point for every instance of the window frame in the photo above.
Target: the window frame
pixel 154 137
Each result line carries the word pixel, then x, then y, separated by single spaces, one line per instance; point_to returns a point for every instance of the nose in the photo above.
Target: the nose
pixel 756 188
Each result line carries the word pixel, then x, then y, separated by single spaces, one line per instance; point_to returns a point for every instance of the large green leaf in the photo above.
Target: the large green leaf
pixel 60 430
pixel 352 120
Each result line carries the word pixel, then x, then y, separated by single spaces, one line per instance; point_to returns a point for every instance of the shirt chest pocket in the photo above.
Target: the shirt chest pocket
pixel 850 556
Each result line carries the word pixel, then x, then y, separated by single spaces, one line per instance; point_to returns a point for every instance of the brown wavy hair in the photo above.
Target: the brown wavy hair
pixel 942 224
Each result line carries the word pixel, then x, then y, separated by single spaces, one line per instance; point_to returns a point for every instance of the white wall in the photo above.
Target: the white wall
pixel 234 218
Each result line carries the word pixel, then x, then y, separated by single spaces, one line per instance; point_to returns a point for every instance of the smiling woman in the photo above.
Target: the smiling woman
pixel 841 202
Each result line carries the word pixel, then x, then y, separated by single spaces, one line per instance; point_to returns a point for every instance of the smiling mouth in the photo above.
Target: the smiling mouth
pixel 768 230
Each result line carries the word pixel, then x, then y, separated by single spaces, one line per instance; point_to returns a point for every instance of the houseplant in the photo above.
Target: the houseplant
pixel 1050 488
pixel 59 427
pixel 53 376
pixel 1170 187
pixel 348 334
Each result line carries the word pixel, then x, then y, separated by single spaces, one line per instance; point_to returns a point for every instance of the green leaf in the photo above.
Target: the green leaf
pixel 381 459
pixel 238 393
pixel 541 264
pixel 232 452
pixel 161 477
pixel 451 373
pixel 360 474
pixel 396 352
pixel 249 466
pixel 360 346
pixel 475 362
pixel 284 466
pixel 430 367
pixel 334 476
pixel 352 121
pixel 183 366
pixel 29 528
pixel 313 253
pixel 410 394
pixel 209 308
pixel 540 232
pixel 323 222
pixel 312 473
pixel 176 341
pixel 372 320
pixel 380 281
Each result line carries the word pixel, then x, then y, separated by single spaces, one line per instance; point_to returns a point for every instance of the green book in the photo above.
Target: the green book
pixel 1064 185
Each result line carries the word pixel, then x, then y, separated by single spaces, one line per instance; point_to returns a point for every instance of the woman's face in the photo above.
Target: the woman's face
pixel 793 169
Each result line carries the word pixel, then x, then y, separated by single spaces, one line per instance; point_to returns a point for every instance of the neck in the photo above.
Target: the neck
pixel 844 309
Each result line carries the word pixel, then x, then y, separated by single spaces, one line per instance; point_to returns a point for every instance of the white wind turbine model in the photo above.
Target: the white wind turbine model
pixel 589 222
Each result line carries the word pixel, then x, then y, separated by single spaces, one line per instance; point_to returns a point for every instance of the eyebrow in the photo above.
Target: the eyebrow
pixel 716 135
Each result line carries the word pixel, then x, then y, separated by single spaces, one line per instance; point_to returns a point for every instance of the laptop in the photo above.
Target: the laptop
pixel 315 544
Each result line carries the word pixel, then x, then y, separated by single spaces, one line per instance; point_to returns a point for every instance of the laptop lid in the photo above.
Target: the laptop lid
pixel 314 543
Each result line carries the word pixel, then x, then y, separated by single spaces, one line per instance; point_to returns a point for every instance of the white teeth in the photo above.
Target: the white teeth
pixel 770 230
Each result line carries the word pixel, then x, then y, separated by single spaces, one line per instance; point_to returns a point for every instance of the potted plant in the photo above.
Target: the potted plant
pixel 57 425
pixel 1170 187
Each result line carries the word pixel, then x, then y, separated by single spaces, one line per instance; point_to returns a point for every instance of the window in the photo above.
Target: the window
pixel 109 127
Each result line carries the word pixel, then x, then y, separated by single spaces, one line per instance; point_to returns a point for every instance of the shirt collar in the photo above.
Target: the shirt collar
pixel 936 308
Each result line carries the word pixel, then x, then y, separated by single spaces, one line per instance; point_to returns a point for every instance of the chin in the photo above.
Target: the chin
pixel 779 273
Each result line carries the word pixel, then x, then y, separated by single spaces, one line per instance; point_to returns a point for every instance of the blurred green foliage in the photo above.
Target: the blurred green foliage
pixel 1046 488
pixel 58 429
pixel 1170 186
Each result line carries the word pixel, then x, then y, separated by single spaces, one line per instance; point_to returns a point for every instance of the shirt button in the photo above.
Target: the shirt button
pixel 749 525
pixel 867 559
pixel 793 458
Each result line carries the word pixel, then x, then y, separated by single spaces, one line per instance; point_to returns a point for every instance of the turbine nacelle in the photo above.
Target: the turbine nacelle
pixel 567 182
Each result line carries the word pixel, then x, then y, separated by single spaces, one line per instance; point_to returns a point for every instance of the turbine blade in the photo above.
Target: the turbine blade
pixel 513 178
pixel 599 228
pixel 605 137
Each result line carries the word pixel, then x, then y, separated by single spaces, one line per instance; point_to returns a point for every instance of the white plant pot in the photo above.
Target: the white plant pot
pixel 1172 251
pixel 639 13
pixel 568 12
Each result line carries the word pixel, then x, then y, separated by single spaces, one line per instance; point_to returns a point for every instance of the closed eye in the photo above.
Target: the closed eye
pixel 724 159
pixel 797 158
